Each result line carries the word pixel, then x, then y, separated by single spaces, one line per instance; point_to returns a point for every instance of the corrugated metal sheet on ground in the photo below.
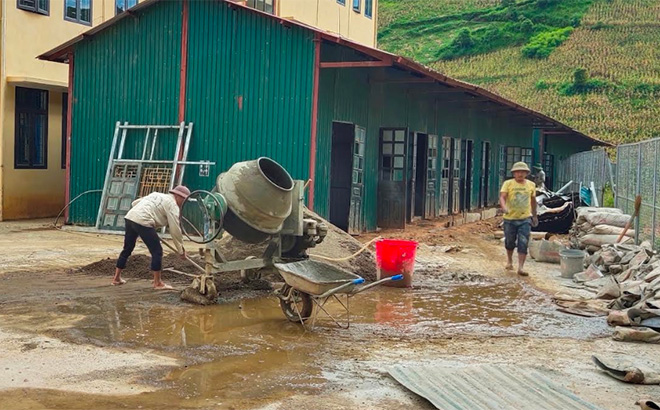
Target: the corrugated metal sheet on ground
pixel 487 387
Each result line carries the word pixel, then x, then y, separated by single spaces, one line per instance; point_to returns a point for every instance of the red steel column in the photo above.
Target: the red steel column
pixel 183 74
pixel 184 61
pixel 67 188
pixel 315 114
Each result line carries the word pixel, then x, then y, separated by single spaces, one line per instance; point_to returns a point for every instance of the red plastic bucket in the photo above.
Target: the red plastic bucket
pixel 394 257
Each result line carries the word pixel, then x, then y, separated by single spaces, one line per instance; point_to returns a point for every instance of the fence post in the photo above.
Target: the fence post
pixel 655 190
pixel 638 190
pixel 618 171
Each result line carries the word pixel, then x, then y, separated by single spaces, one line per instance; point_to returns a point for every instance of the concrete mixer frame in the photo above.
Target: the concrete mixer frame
pixel 295 225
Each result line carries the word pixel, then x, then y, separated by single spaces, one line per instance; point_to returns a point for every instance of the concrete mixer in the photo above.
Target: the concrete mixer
pixel 258 202
pixel 255 202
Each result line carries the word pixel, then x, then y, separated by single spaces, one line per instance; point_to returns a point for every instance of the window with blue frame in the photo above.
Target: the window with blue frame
pixel 356 5
pixel 35 6
pixel 369 8
pixel 78 11
pixel 123 5
pixel 31 129
pixel 267 6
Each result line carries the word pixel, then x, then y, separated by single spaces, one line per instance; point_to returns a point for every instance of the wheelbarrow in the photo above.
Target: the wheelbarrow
pixel 310 285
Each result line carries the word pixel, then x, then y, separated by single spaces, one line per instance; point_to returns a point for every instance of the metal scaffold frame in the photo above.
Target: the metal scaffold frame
pixel 117 155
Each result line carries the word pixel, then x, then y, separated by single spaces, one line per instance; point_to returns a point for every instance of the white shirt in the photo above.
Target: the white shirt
pixel 158 210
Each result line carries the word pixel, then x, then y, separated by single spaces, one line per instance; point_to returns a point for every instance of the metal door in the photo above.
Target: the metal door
pixel 430 208
pixel 456 176
pixel 484 179
pixel 392 180
pixel 412 169
pixel 445 176
pixel 355 219
pixel 122 190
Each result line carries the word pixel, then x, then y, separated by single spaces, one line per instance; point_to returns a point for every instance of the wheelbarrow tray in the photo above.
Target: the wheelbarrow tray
pixel 315 278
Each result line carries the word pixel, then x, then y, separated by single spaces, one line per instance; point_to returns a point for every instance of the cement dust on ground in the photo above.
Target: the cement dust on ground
pixel 132 347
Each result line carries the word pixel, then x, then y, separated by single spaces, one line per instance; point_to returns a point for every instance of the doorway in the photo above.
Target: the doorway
pixel 467 160
pixel 340 174
pixel 393 178
pixel 484 183
pixel 420 175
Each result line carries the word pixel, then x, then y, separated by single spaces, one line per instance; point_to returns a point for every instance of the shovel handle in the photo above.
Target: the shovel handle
pixel 187 258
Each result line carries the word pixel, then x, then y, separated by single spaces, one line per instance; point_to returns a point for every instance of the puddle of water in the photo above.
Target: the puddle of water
pixel 245 351
pixel 440 309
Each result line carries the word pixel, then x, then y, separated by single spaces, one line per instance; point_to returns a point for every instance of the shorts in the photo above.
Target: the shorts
pixel 517 232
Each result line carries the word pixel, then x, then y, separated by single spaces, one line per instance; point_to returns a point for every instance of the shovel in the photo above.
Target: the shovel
pixel 638 205
pixel 187 258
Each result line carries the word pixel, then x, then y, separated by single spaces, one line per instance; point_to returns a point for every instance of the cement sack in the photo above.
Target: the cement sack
pixel 604 218
pixel 600 240
pixel 582 212
pixel 610 230
pixel 545 251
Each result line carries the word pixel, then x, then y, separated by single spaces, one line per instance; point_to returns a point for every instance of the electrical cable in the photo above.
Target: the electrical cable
pixel 72 201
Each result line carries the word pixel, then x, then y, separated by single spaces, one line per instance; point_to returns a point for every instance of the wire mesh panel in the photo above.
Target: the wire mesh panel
pixel 637 174
pixel 584 168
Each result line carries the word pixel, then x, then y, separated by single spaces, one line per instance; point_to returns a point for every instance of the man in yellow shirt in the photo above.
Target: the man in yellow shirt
pixel 518 201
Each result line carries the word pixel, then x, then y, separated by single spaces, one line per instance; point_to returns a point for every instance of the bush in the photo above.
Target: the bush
pixel 542 85
pixel 541 45
pixel 582 84
pixel 526 26
pixel 463 40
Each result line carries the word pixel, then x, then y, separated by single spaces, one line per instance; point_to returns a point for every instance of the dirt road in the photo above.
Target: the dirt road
pixel 71 341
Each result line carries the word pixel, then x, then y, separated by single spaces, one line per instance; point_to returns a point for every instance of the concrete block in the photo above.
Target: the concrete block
pixel 472 217
pixel 489 213
pixel 457 221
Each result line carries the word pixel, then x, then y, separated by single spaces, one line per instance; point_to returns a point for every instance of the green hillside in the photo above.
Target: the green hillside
pixel 593 64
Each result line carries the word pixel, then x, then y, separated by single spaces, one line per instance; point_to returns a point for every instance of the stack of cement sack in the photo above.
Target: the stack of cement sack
pixel 595 227
pixel 627 277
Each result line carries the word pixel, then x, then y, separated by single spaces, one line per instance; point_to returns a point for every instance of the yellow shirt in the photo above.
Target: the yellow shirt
pixel 518 200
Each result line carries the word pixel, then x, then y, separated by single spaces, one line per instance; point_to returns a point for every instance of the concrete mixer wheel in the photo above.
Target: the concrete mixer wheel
pixel 298 306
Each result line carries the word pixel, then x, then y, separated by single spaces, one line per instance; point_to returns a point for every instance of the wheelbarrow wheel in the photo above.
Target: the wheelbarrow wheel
pixel 299 306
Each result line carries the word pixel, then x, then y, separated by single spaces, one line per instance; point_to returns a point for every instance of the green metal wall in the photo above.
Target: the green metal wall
pixel 249 89
pixel 129 72
pixel 353 95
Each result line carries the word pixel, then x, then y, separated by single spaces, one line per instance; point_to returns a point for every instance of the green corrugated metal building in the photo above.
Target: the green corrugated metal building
pixel 384 139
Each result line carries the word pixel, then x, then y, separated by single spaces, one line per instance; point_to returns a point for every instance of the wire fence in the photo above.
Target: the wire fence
pixel 584 168
pixel 637 174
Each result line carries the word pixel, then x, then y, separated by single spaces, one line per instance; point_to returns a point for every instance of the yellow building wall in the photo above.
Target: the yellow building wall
pixel 34 193
pixel 329 15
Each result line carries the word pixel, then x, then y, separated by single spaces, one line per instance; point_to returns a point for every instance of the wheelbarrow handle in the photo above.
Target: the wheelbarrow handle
pixel 340 288
pixel 377 283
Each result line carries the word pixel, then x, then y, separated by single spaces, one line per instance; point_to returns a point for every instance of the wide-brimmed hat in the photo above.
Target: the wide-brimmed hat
pixel 181 191
pixel 520 166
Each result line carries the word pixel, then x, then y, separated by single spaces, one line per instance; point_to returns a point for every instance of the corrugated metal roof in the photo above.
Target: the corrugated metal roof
pixel 60 54
pixel 488 387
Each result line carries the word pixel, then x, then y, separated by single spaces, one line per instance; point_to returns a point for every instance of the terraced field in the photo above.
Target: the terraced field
pixel 615 41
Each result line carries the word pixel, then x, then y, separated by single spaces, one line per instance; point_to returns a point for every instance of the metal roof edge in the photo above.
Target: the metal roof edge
pixel 59 54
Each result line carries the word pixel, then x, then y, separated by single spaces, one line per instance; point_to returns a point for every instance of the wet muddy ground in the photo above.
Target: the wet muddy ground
pixel 71 341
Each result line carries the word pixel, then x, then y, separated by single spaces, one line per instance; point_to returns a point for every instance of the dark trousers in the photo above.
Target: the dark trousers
pixel 150 238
